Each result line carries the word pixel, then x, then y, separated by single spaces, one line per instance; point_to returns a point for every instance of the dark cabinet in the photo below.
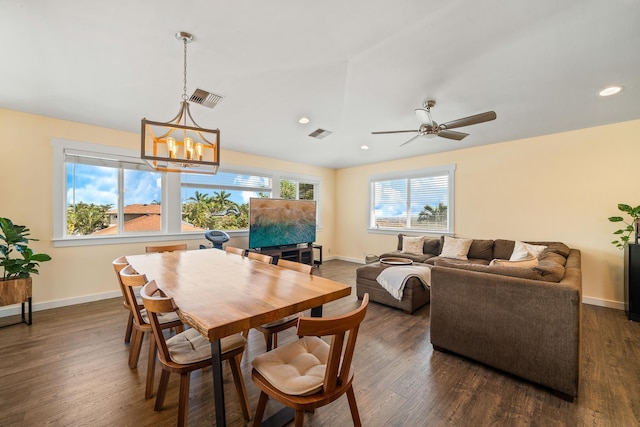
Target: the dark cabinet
pixel 632 281
pixel 303 254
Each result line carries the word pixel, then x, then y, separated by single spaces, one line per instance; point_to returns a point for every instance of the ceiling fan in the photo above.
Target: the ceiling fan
pixel 430 128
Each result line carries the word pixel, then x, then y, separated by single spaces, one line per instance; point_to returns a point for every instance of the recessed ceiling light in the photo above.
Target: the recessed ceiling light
pixel 611 90
pixel 303 120
pixel 364 147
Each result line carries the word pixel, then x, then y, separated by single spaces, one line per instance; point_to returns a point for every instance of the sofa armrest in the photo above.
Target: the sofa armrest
pixel 530 328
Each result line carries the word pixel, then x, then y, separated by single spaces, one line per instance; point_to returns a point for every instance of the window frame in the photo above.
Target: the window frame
pixel 305 179
pixel 171 194
pixel 447 170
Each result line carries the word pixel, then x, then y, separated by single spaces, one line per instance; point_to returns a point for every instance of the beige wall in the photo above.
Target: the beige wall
pixel 556 187
pixel 26 191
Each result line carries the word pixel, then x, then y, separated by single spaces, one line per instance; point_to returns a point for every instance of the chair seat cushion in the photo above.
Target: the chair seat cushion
pixel 190 346
pixel 296 368
pixel 172 316
pixel 280 321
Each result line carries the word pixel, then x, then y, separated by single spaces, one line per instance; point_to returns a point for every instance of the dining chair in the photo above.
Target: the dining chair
pixel 260 257
pixel 187 352
pixel 309 373
pixel 166 248
pixel 118 264
pixel 234 250
pixel 270 330
pixel 141 326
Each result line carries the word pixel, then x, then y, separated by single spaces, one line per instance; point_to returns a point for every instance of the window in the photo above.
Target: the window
pixel 105 194
pixel 297 189
pixel 97 189
pixel 419 200
pixel 221 201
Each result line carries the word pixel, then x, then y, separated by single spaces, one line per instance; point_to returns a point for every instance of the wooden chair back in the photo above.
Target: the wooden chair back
pixel 340 328
pixel 260 257
pixel 234 250
pixel 155 301
pixel 132 279
pixel 166 248
pixel 297 266
pixel 118 264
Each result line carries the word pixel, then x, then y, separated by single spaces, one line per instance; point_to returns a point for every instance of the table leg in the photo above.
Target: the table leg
pixel 218 386
pixel 316 311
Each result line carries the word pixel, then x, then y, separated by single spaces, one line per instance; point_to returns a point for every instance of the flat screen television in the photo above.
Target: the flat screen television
pixel 281 222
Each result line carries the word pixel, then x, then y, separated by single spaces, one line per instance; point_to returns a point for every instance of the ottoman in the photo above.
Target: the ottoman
pixel 415 294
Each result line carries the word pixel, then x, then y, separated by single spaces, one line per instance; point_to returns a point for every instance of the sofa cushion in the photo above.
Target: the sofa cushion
pixel 455 248
pixel 430 246
pixel 525 263
pixel 503 249
pixel 412 257
pixel 412 245
pixel 434 260
pixel 523 273
pixel 552 266
pixel 522 251
pixel 481 249
pixel 554 247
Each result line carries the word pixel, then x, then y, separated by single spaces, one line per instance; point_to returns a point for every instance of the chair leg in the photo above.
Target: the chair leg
pixel 268 340
pixel 234 362
pixel 162 390
pixel 355 416
pixel 127 332
pixel 183 399
pixel 262 404
pixel 299 421
pixel 134 349
pixel 151 368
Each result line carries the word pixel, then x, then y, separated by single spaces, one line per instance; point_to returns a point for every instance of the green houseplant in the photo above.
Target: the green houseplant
pixel 19 263
pixel 630 227
pixel 13 241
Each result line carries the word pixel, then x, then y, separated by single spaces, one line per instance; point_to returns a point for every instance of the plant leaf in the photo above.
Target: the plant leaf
pixel 616 219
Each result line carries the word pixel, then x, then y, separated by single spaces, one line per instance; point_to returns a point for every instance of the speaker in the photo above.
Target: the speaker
pixel 632 281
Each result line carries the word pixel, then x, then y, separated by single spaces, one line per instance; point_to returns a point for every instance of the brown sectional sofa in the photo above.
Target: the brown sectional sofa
pixel 525 321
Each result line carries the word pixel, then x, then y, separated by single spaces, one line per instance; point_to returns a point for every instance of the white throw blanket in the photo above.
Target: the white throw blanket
pixel 393 279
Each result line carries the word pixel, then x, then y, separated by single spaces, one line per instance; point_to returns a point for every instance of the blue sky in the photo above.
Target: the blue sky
pixel 99 185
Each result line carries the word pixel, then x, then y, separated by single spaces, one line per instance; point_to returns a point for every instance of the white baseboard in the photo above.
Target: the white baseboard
pixel 618 305
pixel 16 308
pixel 343 258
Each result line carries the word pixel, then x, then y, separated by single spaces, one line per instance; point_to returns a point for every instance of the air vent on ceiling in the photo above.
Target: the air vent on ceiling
pixel 206 98
pixel 319 133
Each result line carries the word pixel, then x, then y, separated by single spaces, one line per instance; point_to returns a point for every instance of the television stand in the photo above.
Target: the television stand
pixel 297 254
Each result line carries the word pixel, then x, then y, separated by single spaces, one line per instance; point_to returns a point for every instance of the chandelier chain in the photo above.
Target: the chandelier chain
pixel 184 88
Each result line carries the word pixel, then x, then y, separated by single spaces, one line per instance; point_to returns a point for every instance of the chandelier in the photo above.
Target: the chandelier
pixel 181 145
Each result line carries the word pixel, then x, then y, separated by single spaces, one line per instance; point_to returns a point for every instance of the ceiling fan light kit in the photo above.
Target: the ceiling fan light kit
pixel 430 129
pixel 181 145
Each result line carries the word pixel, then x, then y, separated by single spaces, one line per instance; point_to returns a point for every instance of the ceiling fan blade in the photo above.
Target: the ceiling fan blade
pixel 394 131
pixel 410 140
pixel 471 120
pixel 452 134
pixel 424 116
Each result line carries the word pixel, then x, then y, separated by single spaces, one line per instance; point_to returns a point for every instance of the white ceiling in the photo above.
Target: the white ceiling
pixel 351 66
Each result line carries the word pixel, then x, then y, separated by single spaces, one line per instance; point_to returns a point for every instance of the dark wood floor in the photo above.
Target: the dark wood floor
pixel 70 369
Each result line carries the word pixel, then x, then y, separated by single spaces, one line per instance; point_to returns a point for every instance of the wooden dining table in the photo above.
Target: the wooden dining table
pixel 221 294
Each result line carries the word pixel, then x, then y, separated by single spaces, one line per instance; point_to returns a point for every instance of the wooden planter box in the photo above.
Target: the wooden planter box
pixel 16 291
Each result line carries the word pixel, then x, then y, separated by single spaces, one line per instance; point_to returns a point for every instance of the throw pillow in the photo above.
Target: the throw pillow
pixel 455 248
pixel 525 263
pixel 412 245
pixel 523 251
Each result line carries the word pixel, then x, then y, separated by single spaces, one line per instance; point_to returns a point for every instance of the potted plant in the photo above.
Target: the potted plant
pixel 19 263
pixel 630 227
